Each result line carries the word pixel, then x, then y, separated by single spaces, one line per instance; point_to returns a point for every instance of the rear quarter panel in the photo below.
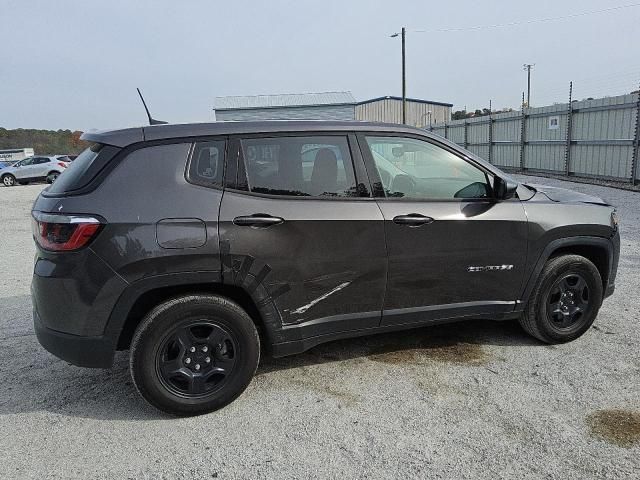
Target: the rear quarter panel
pixel 146 187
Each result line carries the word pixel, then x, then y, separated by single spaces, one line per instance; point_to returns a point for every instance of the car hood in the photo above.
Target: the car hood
pixel 564 195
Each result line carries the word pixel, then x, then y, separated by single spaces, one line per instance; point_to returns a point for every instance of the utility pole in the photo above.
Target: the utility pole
pixel 404 78
pixel 527 67
pixel 403 34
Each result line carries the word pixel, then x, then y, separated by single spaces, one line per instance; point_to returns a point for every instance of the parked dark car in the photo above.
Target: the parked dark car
pixel 197 246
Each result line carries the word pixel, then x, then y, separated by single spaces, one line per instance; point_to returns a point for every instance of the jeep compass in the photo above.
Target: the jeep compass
pixel 198 246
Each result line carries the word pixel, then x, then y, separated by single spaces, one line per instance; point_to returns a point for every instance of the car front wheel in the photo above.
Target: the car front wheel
pixel 194 354
pixel 565 301
pixel 8 180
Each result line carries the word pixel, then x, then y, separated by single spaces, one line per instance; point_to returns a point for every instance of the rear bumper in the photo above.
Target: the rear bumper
pixel 72 295
pixel 74 292
pixel 94 351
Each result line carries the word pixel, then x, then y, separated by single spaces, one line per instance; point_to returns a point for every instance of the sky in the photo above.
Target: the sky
pixel 76 64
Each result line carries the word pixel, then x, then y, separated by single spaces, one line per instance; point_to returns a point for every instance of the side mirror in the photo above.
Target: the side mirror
pixel 504 189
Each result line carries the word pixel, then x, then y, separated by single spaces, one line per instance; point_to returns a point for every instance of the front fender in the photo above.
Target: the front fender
pixel 610 245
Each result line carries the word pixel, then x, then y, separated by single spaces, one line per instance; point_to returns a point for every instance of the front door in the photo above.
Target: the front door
pixel 453 249
pixel 24 168
pixel 298 223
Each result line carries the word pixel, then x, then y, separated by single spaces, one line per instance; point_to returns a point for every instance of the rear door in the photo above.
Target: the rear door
pixel 298 220
pixel 41 166
pixel 453 249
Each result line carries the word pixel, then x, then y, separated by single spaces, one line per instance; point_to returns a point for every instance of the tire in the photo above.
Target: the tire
pixel 557 293
pixel 52 177
pixel 8 180
pixel 192 329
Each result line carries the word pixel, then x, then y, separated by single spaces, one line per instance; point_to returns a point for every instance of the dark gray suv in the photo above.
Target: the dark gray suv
pixel 196 246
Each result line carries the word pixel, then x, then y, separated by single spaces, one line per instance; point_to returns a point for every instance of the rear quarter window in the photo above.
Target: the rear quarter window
pixel 206 165
pixel 83 169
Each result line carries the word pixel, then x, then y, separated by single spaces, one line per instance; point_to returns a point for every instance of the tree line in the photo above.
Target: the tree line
pixel 460 114
pixel 43 142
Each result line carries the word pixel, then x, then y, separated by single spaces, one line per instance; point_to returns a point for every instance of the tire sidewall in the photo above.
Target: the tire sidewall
pixel 154 329
pixel 590 273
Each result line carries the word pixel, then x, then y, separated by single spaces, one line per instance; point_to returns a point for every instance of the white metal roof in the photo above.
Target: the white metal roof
pixel 284 100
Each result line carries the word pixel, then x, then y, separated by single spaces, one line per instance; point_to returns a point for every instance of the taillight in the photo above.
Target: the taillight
pixel 63 233
pixel 62 164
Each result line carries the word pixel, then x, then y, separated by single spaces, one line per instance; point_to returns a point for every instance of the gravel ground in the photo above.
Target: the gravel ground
pixel 471 400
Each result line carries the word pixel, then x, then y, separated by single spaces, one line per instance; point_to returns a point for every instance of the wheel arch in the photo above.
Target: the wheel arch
pixel 137 301
pixel 598 250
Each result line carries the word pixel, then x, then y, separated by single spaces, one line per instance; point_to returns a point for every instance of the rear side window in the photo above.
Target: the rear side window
pixel 315 166
pixel 81 171
pixel 206 166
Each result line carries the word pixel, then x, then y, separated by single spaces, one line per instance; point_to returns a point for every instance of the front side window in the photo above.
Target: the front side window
pixel 206 166
pixel 416 169
pixel 316 166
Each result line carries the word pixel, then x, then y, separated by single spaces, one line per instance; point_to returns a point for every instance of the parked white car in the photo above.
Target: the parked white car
pixel 33 169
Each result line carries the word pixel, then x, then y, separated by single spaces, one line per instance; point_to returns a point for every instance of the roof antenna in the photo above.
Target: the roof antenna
pixel 152 121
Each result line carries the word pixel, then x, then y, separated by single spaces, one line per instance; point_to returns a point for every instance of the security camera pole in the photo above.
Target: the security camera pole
pixel 404 75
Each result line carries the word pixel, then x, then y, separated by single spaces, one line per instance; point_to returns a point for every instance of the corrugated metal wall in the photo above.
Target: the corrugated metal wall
pixel 319 112
pixel 505 148
pixel 595 138
pixel 389 110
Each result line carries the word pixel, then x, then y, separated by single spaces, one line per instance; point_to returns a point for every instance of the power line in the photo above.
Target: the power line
pixel 527 22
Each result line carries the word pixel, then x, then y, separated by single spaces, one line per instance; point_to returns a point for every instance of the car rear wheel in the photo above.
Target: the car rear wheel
pixel 8 180
pixel 52 177
pixel 194 354
pixel 565 301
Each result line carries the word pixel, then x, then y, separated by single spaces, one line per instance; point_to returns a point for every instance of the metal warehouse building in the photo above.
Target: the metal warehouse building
pixel 420 113
pixel 305 106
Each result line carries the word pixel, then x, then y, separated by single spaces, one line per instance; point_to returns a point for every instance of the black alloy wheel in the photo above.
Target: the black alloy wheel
pixel 568 301
pixel 565 299
pixel 196 359
pixel 194 354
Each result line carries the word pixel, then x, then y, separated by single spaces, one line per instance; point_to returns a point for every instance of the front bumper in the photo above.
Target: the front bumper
pixel 94 351
pixel 613 264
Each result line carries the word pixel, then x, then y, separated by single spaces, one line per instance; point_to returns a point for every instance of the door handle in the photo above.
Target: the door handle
pixel 412 220
pixel 257 220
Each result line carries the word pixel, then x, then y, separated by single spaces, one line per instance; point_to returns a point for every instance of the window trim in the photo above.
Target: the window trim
pixel 354 151
pixel 372 170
